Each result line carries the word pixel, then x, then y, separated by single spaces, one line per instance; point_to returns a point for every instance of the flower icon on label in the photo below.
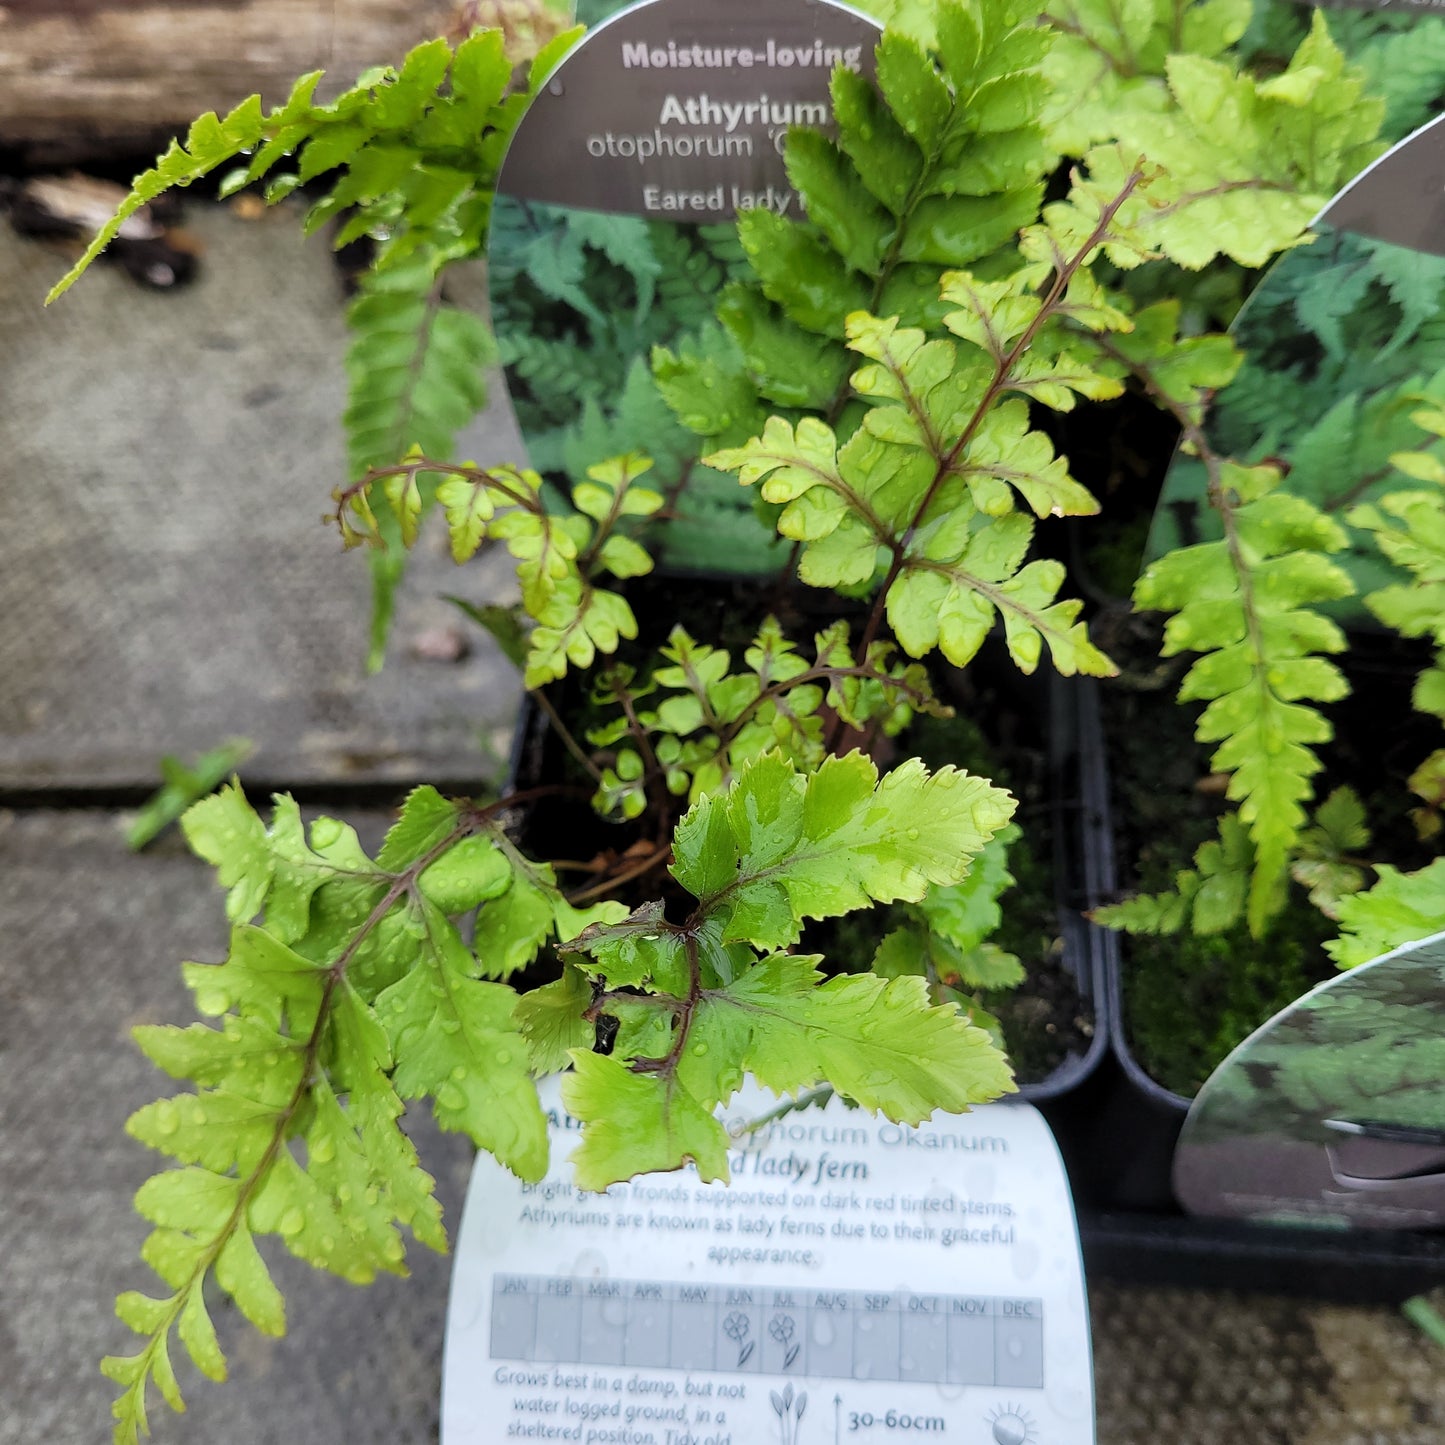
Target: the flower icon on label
pixel 737 1327
pixel 781 1328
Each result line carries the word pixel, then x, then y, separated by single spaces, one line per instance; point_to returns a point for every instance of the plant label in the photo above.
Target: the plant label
pixel 1401 198
pixel 679 108
pixel 614 233
pixel 858 1281
pixel 1333 1113
pixel 1341 340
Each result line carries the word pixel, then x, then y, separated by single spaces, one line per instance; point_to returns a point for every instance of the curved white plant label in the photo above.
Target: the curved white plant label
pixel 679 108
pixel 1343 342
pixel 858 1281
pixel 1333 1113
pixel 1401 198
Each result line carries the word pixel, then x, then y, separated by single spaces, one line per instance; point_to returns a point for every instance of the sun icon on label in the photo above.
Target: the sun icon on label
pixel 1012 1425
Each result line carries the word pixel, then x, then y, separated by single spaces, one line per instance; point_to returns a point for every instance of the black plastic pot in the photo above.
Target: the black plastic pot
pixel 1076 788
pixel 1121 1153
pixel 1067 711
pixel 1132 1229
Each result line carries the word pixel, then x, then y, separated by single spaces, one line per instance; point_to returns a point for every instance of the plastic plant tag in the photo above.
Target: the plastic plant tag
pixel 1333 1113
pixel 857 1281
pixel 679 108
pixel 613 233
pixel 1344 339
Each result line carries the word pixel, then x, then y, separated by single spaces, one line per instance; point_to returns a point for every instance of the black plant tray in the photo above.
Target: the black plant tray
pixel 1118 1136
pixel 1121 1151
pixel 1066 710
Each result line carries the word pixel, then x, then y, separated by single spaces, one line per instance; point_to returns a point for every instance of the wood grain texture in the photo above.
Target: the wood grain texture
pixel 82 77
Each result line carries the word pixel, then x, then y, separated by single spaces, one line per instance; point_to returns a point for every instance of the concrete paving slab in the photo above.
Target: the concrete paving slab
pixel 90 938
pixel 166 580
pixel 90 944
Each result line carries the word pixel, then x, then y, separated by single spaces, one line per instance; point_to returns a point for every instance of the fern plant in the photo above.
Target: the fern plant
pixel 1287 871
pixel 1263 619
pixel 887 373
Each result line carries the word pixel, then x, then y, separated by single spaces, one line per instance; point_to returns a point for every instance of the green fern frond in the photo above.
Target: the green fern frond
pixel 417 372
pixel 420 143
pixel 559 556
pixel 940 166
pixel 926 490
pixel 779 846
pixel 1247 159
pixel 1401 908
pixel 710 720
pixel 1409 528
pixel 1247 604
pixel 347 989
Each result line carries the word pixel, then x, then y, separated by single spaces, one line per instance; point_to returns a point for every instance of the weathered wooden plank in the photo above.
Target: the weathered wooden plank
pixel 82 77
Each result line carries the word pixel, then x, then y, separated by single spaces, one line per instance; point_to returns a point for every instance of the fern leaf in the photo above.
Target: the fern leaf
pixel 1247 162
pixel 1399 909
pixel 347 988
pixel 211 142
pixel 1409 527
pixel 938 167
pixel 1109 60
pixel 416 367
pixel 1328 852
pixel 1246 603
pixel 1208 898
pixel 1407 68
pixel 930 478
pixel 775 848
pixel 830 843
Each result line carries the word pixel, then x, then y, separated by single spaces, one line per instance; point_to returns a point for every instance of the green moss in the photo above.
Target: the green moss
pixel 1190 1000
